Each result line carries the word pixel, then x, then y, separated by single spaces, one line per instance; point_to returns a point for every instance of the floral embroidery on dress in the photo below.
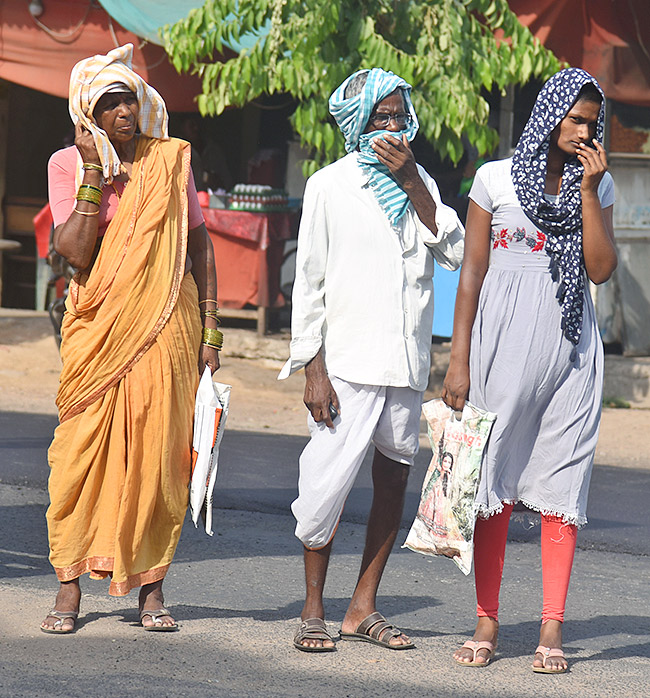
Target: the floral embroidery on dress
pixel 541 240
pixel 500 238
pixel 503 237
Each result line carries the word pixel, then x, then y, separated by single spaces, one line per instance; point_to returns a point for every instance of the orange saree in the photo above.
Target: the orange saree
pixel 120 458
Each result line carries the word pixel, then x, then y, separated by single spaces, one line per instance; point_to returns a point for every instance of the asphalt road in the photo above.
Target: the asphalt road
pixel 238 594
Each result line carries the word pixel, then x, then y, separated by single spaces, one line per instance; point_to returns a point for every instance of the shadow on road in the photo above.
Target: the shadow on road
pixel 336 607
pixel 627 627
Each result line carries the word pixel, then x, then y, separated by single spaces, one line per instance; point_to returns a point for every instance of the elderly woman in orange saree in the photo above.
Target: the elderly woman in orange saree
pixel 141 318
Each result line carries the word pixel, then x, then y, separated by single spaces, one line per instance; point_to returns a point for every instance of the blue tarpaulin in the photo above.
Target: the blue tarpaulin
pixel 146 17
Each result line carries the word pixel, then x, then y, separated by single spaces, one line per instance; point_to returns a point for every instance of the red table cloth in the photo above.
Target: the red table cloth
pixel 248 251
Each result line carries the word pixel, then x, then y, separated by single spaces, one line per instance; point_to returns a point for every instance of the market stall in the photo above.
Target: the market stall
pixel 248 250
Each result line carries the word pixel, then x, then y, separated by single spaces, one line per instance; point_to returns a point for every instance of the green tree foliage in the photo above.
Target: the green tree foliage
pixel 446 49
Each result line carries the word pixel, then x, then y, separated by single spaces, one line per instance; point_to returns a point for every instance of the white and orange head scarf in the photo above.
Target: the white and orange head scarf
pixel 98 75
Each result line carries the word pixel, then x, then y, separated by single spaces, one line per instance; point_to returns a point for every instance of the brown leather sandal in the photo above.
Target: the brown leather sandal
pixel 312 629
pixel 377 630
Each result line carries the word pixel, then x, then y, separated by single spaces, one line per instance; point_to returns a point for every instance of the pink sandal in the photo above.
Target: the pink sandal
pixel 547 652
pixel 475 647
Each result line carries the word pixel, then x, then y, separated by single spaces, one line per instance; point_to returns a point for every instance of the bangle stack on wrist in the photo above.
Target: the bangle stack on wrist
pixel 212 338
pixel 93 166
pixel 89 193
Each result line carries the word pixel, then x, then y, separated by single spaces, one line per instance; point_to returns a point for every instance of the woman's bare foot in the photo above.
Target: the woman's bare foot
pixel 487 630
pixel 67 601
pixel 152 599
pixel 550 635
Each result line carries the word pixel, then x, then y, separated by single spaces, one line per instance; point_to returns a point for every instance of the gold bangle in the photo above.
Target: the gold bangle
pixel 86 213
pixel 210 300
pixel 92 166
pixel 212 338
pixel 90 200
pixel 214 314
pixel 212 346
pixel 87 192
pixel 212 335
pixel 90 186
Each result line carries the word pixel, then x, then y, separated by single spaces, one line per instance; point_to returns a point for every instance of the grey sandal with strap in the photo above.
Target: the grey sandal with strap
pixel 60 617
pixel 157 626
pixel 377 630
pixel 312 629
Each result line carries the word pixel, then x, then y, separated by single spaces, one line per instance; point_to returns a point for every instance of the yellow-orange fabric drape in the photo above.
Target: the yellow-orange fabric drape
pixel 120 459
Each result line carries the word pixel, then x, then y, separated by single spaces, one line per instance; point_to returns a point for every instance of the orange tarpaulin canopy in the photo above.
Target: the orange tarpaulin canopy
pixel 610 39
pixel 41 57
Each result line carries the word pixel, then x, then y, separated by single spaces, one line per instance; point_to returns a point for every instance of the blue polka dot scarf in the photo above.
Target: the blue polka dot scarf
pixel 352 116
pixel 562 221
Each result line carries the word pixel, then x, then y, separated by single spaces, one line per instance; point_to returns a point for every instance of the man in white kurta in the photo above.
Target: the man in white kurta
pixel 361 326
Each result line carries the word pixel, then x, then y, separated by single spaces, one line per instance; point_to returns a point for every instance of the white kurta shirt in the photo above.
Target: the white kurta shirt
pixel 363 289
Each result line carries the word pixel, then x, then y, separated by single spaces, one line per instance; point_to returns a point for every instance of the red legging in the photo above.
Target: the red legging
pixel 558 547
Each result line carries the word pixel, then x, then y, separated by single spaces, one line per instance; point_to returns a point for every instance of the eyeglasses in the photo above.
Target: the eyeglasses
pixel 381 120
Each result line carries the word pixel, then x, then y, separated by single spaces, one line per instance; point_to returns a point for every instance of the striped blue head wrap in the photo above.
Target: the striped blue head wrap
pixel 352 115
pixel 562 221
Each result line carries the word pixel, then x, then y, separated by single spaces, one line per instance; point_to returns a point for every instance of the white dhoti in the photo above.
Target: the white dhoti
pixel 387 417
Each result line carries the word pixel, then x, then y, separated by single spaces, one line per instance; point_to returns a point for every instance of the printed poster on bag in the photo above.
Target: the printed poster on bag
pixel 444 523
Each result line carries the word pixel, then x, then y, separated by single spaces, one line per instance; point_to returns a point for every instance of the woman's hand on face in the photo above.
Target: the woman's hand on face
pixel 594 162
pixel 397 155
pixel 85 143
pixel 208 356
pixel 455 387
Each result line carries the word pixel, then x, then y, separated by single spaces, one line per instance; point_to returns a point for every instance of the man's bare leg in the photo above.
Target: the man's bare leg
pixel 389 486
pixel 316 562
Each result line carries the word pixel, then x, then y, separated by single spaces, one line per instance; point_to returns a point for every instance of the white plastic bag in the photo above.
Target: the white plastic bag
pixel 210 412
pixel 444 523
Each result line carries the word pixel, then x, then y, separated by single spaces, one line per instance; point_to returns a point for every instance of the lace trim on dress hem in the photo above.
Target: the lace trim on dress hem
pixel 571 519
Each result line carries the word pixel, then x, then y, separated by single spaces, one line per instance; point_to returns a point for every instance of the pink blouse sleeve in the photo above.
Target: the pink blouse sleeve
pixel 61 180
pixel 194 213
pixel 61 190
